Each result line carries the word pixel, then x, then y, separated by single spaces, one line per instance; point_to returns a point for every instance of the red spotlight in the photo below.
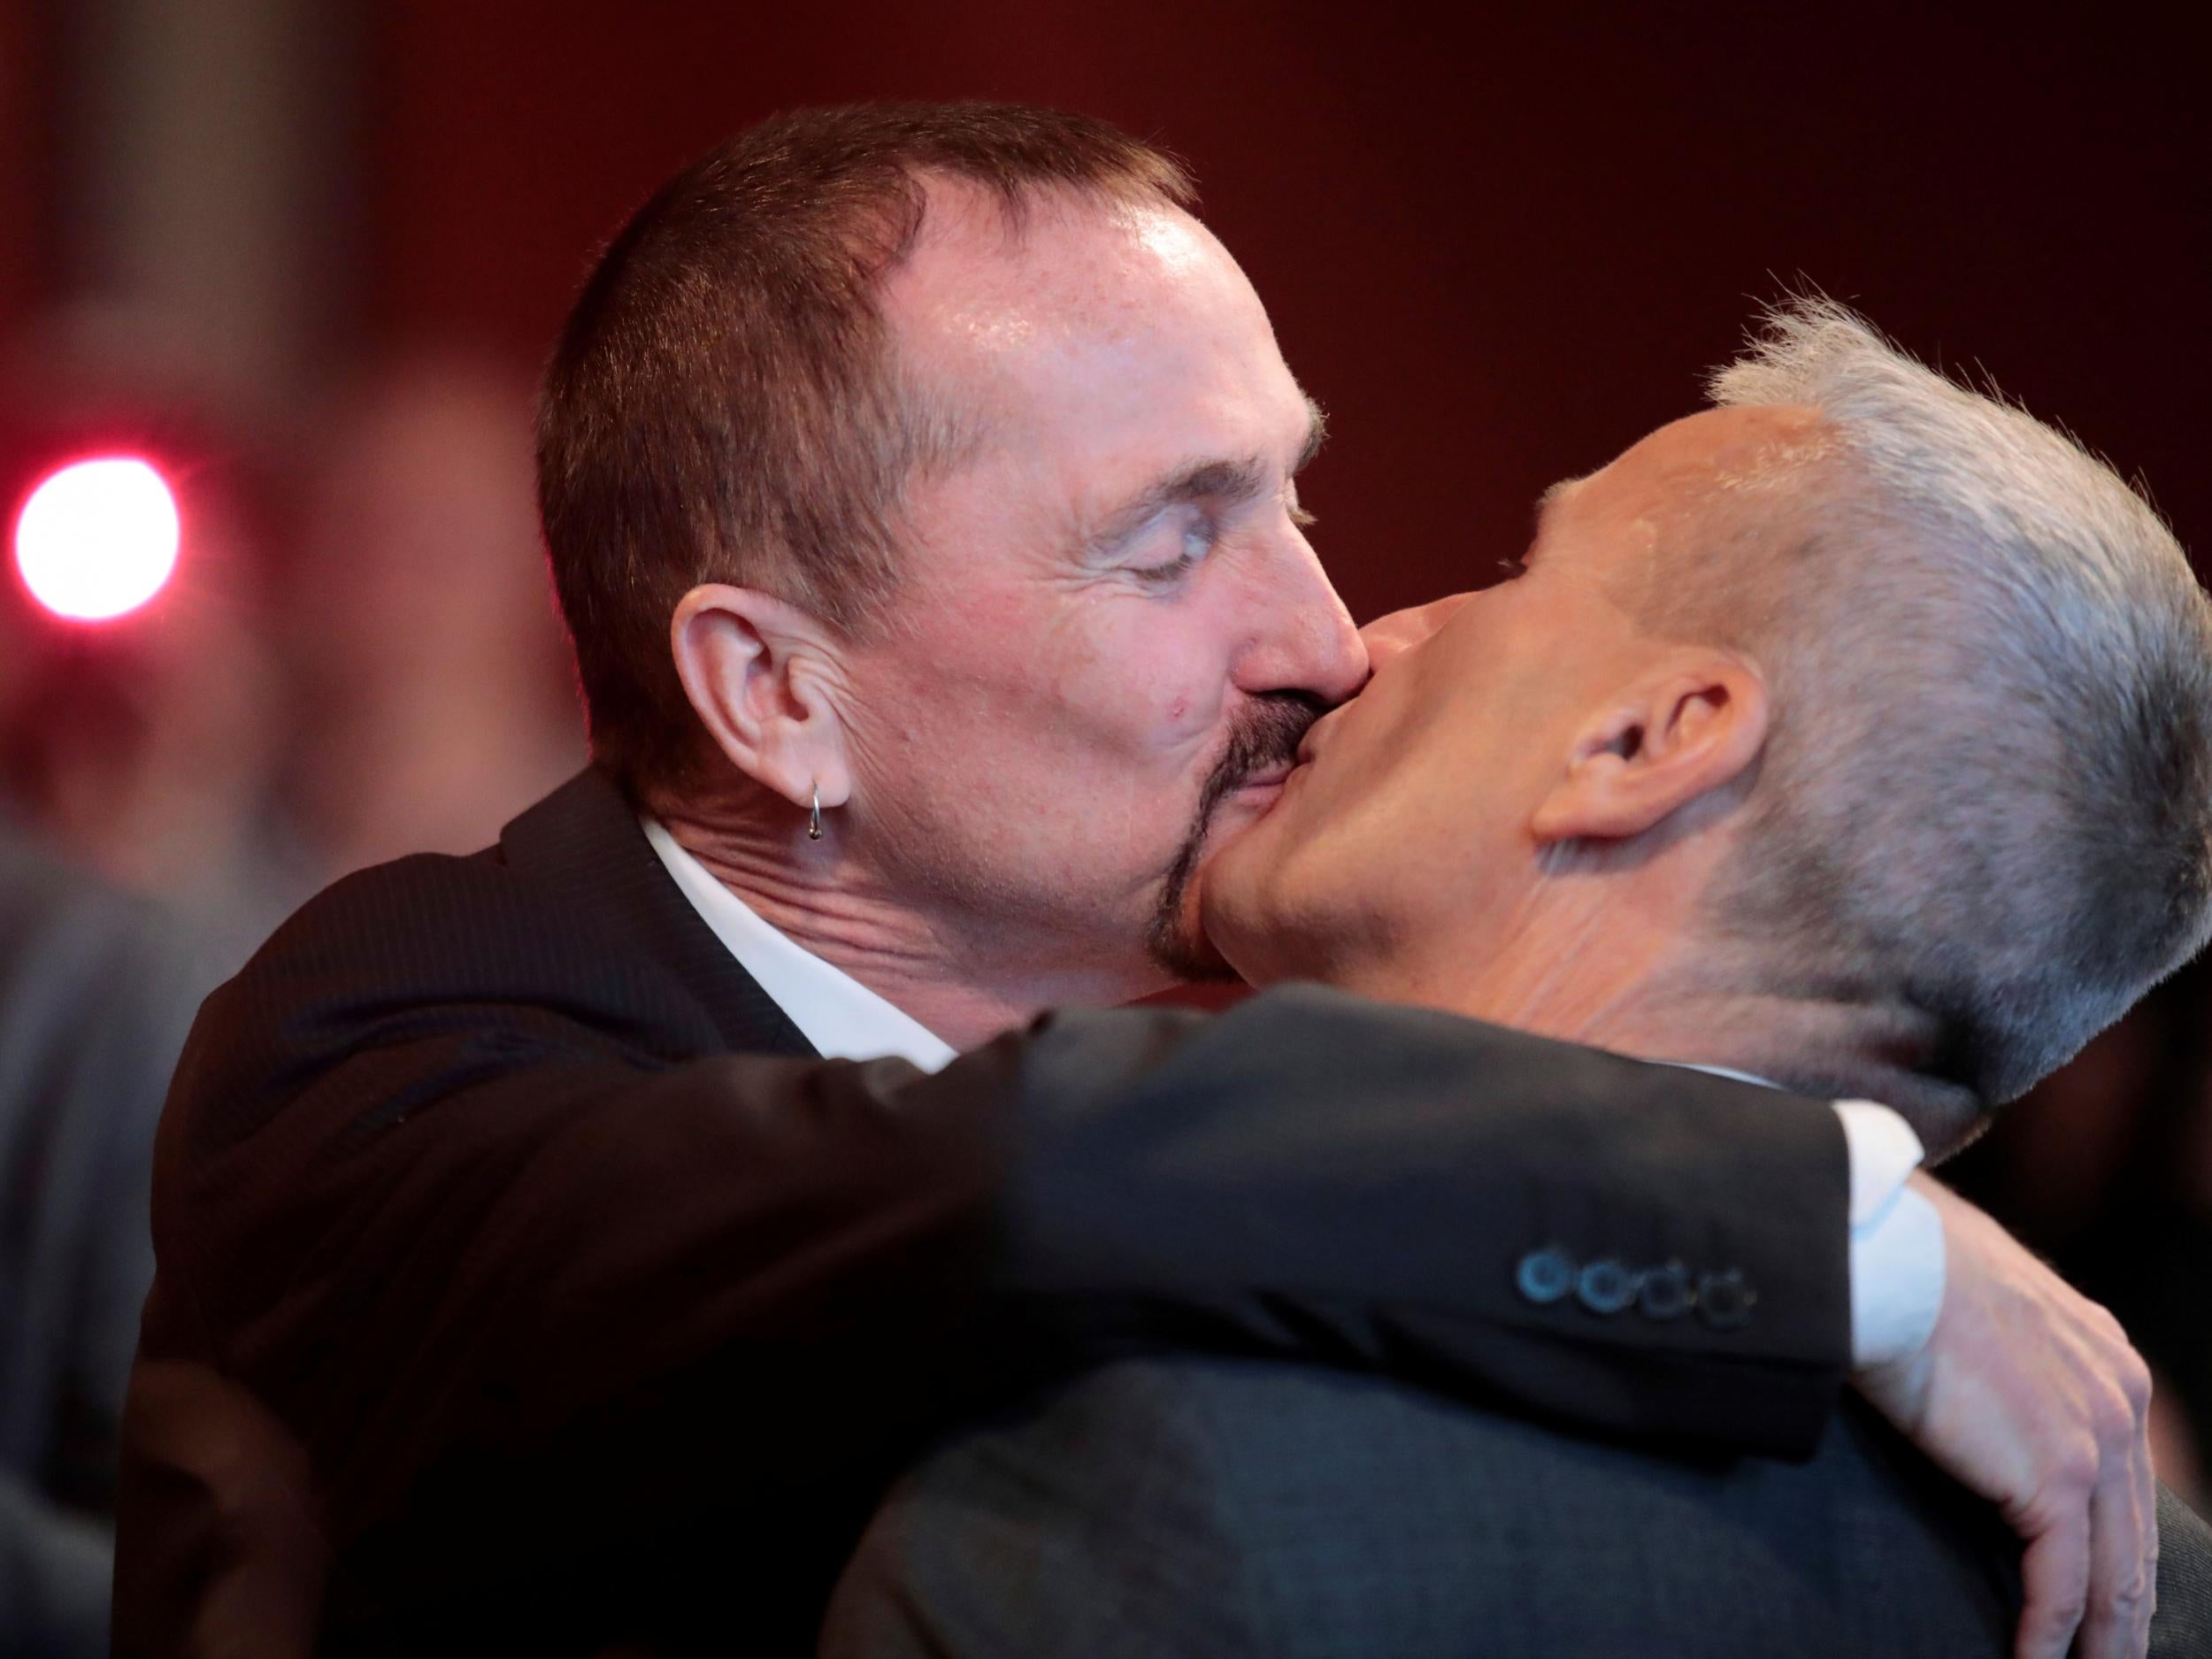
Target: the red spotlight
pixel 97 538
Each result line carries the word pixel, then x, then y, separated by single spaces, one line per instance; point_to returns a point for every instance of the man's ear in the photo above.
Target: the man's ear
pixel 1687 729
pixel 763 676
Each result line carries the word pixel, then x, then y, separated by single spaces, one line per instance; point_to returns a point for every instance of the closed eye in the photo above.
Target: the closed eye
pixel 1198 539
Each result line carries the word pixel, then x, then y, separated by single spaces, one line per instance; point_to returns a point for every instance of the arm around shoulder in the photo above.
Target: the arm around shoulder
pixel 497 1266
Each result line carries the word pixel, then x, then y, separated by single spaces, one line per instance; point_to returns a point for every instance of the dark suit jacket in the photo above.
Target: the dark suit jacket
pixel 1249 1509
pixel 598 1311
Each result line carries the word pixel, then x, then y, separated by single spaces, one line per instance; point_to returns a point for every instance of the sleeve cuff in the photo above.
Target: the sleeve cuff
pixel 1896 1239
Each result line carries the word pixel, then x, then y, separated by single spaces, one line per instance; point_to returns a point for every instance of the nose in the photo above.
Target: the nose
pixel 1305 640
pixel 1389 637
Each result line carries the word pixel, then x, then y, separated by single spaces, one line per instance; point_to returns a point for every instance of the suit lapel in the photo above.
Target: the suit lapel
pixel 585 838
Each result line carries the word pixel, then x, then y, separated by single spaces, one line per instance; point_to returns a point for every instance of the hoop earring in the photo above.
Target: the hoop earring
pixel 814 818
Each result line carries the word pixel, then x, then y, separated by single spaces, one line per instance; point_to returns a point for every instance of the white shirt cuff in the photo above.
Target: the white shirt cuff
pixel 1896 1237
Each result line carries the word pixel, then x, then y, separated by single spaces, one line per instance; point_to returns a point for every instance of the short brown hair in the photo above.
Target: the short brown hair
pixel 724 403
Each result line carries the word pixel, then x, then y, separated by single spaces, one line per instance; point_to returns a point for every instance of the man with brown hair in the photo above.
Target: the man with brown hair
pixel 607 1215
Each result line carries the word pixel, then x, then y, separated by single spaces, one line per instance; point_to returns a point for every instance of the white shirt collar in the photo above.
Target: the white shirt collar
pixel 835 1012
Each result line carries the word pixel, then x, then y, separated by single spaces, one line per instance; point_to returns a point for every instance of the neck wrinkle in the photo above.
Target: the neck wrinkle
pixel 1823 1046
pixel 1569 961
pixel 826 900
pixel 1580 961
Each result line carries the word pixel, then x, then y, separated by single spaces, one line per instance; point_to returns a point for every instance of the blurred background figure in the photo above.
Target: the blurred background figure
pixel 146 743
pixel 432 691
pixel 358 657
pixel 148 752
pixel 95 991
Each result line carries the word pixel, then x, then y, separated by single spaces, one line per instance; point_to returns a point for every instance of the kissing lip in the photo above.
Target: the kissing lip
pixel 1309 745
pixel 1272 778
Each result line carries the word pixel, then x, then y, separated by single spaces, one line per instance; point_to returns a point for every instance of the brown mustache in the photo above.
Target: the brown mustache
pixel 1265 737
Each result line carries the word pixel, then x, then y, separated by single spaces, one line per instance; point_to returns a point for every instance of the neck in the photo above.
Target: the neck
pixel 1790 1034
pixel 827 899
pixel 1570 950
pixel 1621 964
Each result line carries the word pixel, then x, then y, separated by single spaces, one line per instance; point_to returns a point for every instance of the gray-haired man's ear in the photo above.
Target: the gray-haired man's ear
pixel 763 678
pixel 1689 728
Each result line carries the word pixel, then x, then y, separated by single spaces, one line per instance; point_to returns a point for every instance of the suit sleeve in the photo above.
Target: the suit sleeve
pixel 501 1271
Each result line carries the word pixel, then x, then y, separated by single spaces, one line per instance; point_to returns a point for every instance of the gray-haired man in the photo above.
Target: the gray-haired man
pixel 1855 734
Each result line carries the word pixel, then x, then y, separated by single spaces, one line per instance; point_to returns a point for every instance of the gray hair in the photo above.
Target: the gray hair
pixel 1988 791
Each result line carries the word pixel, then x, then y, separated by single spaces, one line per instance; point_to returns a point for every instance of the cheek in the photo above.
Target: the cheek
pixel 1103 693
pixel 1346 820
pixel 1131 676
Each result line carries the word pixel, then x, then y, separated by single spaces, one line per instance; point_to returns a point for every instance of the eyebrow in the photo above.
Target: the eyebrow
pixel 1554 494
pixel 1557 492
pixel 1214 480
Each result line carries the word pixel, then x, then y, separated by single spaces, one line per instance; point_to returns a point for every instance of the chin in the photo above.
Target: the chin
pixel 1276 914
pixel 1177 942
pixel 1233 914
pixel 1231 854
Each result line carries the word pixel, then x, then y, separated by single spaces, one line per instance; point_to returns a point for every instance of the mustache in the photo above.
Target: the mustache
pixel 1265 736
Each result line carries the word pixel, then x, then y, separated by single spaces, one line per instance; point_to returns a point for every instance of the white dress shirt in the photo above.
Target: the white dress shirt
pixel 1896 1236
pixel 841 1017
pixel 1897 1257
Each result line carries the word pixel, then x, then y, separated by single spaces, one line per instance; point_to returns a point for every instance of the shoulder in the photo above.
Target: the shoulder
pixel 1090 1526
pixel 1317 1512
pixel 428 927
pixel 548 918
pixel 541 944
pixel 431 920
pixel 96 988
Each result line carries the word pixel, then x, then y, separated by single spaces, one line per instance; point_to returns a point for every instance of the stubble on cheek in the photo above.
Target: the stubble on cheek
pixel 1048 775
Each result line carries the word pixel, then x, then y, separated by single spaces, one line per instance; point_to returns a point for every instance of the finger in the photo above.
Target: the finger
pixel 2054 1580
pixel 2122 1532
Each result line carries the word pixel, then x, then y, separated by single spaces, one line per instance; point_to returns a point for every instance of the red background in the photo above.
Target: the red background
pixel 1497 249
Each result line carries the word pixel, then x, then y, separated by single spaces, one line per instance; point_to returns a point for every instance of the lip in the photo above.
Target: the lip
pixel 1273 778
pixel 1309 745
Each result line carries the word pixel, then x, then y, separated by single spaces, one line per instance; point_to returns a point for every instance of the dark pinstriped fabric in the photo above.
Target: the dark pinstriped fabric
pixel 525 1285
